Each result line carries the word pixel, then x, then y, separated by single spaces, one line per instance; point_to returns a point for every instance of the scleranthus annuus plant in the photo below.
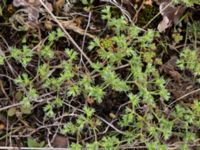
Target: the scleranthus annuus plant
pixel 118 99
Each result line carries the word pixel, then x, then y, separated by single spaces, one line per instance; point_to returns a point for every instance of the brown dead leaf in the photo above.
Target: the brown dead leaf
pixel 60 141
pixel 30 7
pixel 170 65
pixel 164 24
pixel 170 68
pixel 170 13
pixel 175 75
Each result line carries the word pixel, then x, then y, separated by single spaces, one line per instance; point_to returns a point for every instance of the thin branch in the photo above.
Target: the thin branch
pixel 10 106
pixel 184 96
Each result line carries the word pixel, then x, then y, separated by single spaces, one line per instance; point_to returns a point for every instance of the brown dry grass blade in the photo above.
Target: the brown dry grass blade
pixel 71 25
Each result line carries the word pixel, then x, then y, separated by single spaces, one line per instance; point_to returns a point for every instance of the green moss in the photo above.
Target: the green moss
pixel 146 15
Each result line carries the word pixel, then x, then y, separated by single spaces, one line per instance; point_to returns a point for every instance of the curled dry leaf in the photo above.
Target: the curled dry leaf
pixel 32 8
pixel 164 24
pixel 170 68
pixel 170 13
pixel 60 141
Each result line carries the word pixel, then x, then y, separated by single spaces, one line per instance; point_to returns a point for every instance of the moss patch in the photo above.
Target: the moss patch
pixel 146 15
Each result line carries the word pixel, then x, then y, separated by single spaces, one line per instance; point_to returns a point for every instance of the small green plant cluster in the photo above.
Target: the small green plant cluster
pixel 2 6
pixel 125 63
pixel 187 2
pixel 88 4
pixel 145 120
pixel 189 61
pixel 136 48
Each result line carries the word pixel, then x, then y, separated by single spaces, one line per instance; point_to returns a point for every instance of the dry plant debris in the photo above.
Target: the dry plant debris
pixel 171 14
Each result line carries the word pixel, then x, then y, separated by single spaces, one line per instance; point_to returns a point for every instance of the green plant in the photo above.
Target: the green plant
pixel 87 2
pixel 189 60
pixel 24 56
pixel 2 7
pixel 81 123
pixel 33 143
pixel 187 2
pixel 136 49
pixel 2 59
pixel 110 143
pixel 119 100
pixel 76 146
